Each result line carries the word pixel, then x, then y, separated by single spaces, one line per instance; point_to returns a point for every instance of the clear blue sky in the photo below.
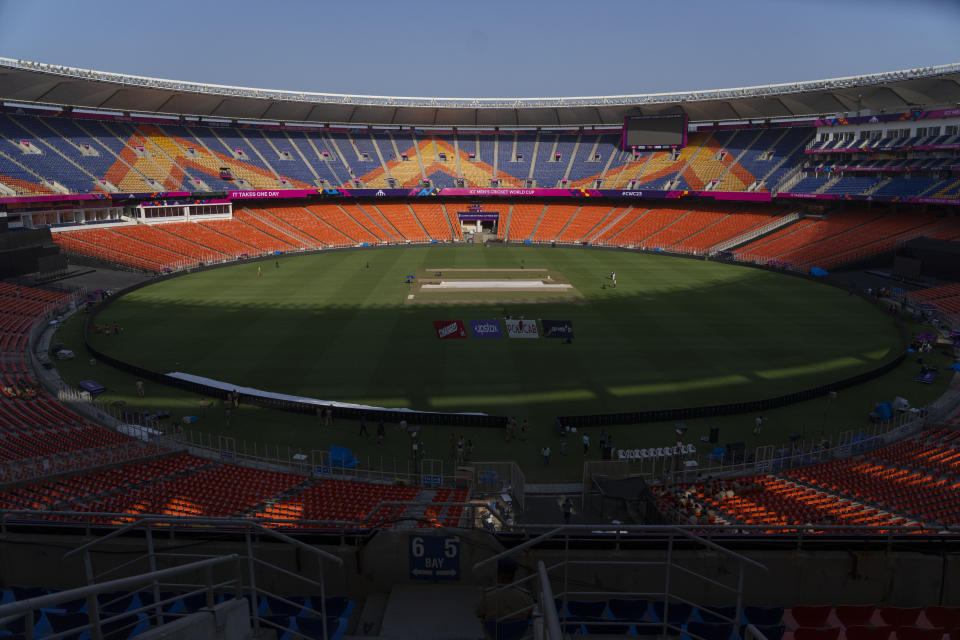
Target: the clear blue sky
pixel 497 48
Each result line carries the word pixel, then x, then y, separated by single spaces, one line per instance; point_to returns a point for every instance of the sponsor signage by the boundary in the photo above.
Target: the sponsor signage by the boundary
pixel 520 328
pixel 557 328
pixel 449 329
pixel 486 328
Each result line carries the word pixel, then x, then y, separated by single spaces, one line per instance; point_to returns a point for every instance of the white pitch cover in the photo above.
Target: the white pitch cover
pixel 522 328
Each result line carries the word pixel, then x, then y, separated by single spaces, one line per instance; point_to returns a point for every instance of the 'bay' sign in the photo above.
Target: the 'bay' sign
pixel 434 558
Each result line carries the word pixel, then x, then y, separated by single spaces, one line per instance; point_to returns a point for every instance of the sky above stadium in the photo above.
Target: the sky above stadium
pixel 498 48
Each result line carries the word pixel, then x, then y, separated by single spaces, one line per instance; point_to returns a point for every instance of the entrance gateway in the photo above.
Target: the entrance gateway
pixel 476 220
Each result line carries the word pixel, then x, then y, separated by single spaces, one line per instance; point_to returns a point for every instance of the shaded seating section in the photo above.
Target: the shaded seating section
pixel 158 236
pixel 219 491
pixel 876 233
pixel 90 243
pixel 842 237
pixel 120 619
pixel 341 500
pixel 910 484
pixel 77 491
pixel 944 298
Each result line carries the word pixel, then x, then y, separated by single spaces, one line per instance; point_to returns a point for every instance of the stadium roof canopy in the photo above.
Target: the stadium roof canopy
pixel 896 91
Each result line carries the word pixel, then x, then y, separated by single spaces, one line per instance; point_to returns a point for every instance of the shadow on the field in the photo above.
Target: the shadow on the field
pixel 729 339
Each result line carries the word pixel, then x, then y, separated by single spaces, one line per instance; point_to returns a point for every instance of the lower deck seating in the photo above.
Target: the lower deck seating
pixel 341 500
pixel 909 484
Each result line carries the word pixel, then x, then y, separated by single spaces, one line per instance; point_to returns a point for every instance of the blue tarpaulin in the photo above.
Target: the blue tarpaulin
pixel 817 271
pixel 955 367
pixel 883 410
pixel 342 457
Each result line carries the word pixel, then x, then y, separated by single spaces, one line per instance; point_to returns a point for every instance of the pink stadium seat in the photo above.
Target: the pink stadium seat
pixel 900 616
pixel 809 633
pixel 863 632
pixel 855 615
pixel 811 616
pixel 944 617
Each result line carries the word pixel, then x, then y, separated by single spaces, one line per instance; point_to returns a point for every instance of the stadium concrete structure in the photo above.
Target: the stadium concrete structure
pixel 128 531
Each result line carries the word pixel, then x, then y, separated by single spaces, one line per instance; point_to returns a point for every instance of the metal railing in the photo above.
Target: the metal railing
pixel 249 528
pixel 555 622
pixel 25 608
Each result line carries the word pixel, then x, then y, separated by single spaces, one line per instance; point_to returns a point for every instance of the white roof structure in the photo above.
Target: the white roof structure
pixel 38 83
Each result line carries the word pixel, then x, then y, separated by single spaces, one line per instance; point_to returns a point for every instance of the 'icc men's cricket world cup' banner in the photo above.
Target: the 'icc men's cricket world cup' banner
pixel 449 329
pixel 522 328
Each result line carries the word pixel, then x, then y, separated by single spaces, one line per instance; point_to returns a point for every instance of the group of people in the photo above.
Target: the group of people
pixel 515 429
pixel 460 450
pixel 105 328
pixel 381 431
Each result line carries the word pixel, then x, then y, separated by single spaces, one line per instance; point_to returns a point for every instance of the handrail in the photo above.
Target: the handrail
pixel 684 532
pixel 599 528
pixel 228 521
pixel 19 607
pixel 519 547
pixel 546 603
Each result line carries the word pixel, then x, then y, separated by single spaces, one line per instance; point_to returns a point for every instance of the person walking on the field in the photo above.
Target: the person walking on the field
pixel 363 427
pixel 259 271
pixel 586 444
pixel 757 423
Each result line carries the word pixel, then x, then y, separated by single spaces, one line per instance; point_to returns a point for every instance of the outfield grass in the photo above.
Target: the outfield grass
pixel 673 333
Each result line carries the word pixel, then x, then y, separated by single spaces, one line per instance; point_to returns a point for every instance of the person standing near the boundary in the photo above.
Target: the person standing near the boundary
pixel 757 423
pixel 259 271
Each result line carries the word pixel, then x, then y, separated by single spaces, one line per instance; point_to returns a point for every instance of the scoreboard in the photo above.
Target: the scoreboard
pixel 646 133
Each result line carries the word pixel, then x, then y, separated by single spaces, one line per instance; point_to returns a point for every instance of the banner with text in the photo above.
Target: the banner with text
pixel 522 328
pixel 557 328
pixel 449 329
pixel 486 328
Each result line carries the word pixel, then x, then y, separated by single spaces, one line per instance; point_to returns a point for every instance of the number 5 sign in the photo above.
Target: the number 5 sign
pixel 434 558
